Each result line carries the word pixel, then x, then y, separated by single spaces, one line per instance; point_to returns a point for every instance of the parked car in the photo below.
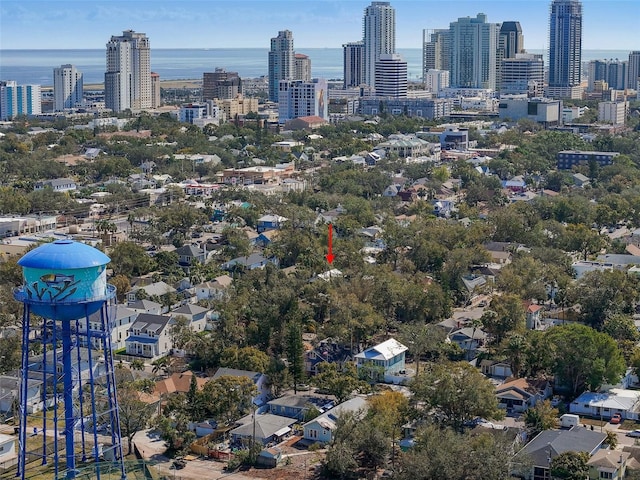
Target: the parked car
pixel 179 463
pixel 634 434
pixel 616 418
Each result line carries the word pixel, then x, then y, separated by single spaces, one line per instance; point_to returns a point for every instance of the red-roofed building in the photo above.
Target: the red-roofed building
pixel 534 316
pixel 306 123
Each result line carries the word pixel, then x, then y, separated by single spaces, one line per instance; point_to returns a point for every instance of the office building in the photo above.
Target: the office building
pixel 220 84
pixel 436 50
pixel 565 47
pixel 127 81
pixel 302 67
pixel 391 76
pixel 302 99
pixel 379 36
pixel 353 63
pixel 238 106
pixel 156 97
pixel 523 74
pixel 436 80
pixel 19 100
pixel 67 87
pixel 614 113
pixel 542 110
pixel 474 45
pixel 612 72
pixel 633 70
pixel 511 40
pixel 281 62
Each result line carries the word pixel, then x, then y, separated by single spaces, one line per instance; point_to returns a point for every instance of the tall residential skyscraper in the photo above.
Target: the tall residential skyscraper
pixel 633 70
pixel 302 67
pixel 565 43
pixel 379 36
pixel 67 87
pixel 353 62
pixel 436 51
pixel 281 62
pixel 391 76
pixel 156 96
pixel 19 100
pixel 474 46
pixel 127 81
pixel 613 72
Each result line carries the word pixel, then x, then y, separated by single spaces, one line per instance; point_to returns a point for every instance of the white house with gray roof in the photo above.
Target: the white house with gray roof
pixel 321 428
pixel 149 336
pixel 388 355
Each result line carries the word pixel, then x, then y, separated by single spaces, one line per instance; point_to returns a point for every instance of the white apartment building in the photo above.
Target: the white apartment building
pixel 67 87
pixel 127 80
pixel 391 76
pixel 302 99
pixel 435 80
pixel 612 112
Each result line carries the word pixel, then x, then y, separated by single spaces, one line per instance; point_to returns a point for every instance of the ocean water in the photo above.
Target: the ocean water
pixel 36 66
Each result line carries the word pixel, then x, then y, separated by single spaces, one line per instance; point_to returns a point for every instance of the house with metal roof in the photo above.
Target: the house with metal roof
pixel 606 404
pixel 264 428
pixel 388 355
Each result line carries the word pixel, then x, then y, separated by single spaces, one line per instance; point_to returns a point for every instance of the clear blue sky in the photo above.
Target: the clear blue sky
pixel 51 24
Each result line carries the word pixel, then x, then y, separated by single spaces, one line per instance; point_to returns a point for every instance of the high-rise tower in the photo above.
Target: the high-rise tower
pixel 353 62
pixel 633 70
pixel 474 46
pixel 379 36
pixel 67 87
pixel 565 43
pixel 281 62
pixel 127 81
pixel 511 40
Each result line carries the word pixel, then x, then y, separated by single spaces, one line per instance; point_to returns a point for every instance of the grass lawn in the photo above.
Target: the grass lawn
pixel 628 425
pixel 592 421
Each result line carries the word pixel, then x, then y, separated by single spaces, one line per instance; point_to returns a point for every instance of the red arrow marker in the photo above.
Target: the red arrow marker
pixel 329 256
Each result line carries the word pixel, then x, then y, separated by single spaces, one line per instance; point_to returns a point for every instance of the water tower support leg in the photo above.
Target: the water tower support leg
pixel 67 355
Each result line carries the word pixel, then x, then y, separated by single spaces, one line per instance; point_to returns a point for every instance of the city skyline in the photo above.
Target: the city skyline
pixel 607 24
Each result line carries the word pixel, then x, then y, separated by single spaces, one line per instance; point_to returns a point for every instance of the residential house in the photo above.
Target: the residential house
pixel 7 447
pixel 189 254
pixel 57 185
pixel 321 428
pixel 609 464
pixel 443 208
pixel 121 318
pixel 261 428
pixel 389 356
pixel 329 351
pixel 196 315
pixel 295 406
pixel 536 456
pixel 149 336
pixel 330 215
pixel 178 383
pixel 580 180
pixel 515 184
pixel 215 289
pixel 253 261
pixel 469 339
pixel 146 306
pixel 266 237
pixel 259 380
pixel 270 222
pixel 153 290
pixel 521 394
pixel 606 404
pixel 9 393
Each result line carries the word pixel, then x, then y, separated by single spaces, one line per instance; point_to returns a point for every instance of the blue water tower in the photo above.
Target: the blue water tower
pixel 66 344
